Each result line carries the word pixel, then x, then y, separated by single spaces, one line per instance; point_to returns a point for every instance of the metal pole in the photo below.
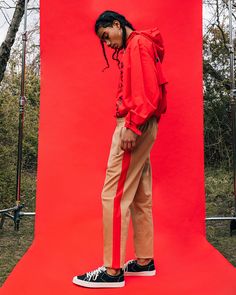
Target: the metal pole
pixel 22 101
pixel 232 94
pixel 233 108
pixel 221 218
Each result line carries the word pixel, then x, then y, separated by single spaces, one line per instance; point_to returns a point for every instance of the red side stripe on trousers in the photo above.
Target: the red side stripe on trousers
pixel 117 211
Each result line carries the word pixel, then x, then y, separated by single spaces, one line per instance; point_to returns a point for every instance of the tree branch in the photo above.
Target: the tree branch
pixel 208 68
pixel 6 46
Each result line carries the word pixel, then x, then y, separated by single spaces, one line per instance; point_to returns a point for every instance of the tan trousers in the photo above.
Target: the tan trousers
pixel 128 191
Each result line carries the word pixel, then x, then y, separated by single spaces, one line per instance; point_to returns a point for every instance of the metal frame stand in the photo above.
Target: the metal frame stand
pixel 233 117
pixel 22 100
pixel 15 216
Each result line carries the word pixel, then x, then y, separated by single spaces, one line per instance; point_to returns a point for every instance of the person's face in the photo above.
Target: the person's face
pixel 112 36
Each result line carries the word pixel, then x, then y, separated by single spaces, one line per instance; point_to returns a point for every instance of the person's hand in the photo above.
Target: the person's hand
pixel 127 139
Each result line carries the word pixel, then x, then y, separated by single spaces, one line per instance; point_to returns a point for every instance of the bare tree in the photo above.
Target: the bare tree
pixel 215 36
pixel 7 44
pixel 216 70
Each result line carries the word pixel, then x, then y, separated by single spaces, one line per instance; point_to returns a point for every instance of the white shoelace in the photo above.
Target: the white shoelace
pixel 94 274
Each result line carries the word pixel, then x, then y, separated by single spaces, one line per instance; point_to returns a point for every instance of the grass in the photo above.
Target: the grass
pixel 219 202
pixel 13 244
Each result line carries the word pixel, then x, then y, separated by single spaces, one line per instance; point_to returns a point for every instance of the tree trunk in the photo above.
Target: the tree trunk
pixel 6 45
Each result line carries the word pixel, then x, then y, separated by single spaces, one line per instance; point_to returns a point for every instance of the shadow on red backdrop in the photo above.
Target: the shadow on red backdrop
pixel 76 126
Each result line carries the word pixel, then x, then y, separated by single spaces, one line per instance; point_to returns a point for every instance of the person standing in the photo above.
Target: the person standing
pixel 127 190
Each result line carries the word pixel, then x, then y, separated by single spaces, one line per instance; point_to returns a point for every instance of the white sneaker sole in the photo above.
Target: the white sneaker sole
pixel 97 285
pixel 141 273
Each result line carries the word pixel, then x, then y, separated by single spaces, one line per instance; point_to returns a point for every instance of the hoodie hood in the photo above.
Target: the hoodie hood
pixel 155 36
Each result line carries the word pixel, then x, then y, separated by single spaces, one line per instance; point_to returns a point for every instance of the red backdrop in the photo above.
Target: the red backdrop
pixel 76 125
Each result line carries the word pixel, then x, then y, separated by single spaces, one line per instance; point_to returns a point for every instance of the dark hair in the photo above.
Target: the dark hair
pixel 105 20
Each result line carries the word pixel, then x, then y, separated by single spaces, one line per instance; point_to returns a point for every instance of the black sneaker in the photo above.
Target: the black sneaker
pixel 132 268
pixel 99 278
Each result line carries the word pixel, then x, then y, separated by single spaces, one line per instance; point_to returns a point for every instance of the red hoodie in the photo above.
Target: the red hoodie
pixel 141 90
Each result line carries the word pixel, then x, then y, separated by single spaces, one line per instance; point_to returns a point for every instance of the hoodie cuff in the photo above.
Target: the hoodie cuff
pixel 131 125
pixel 133 128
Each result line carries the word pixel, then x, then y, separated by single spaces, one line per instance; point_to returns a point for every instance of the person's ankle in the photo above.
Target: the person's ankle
pixel 113 271
pixel 143 261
